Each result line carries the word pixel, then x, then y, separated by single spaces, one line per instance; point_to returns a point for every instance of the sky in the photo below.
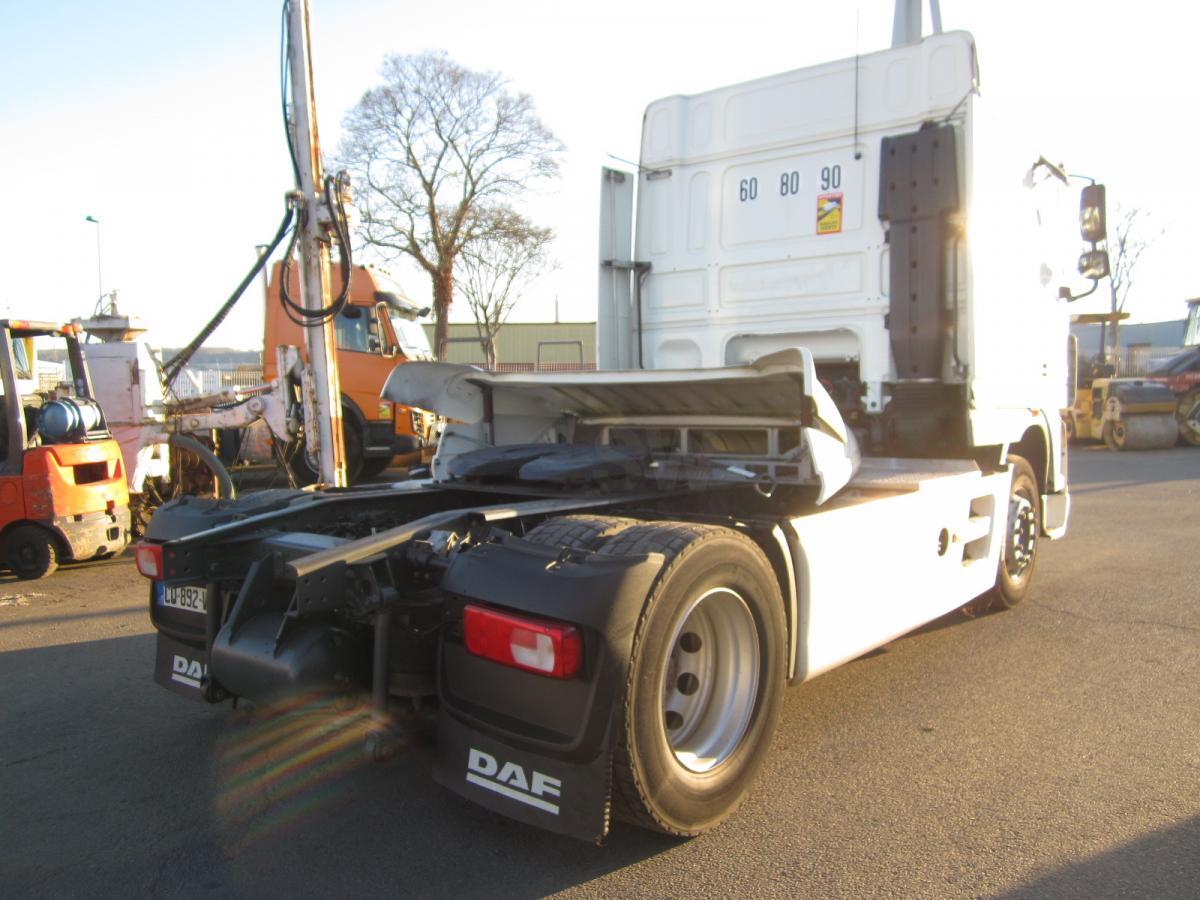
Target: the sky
pixel 162 121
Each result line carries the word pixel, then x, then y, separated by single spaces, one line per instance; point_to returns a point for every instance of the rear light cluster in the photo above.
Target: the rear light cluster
pixel 149 559
pixel 548 648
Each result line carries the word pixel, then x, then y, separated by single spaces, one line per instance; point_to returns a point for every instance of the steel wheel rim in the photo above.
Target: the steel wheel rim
pixel 1022 536
pixel 710 680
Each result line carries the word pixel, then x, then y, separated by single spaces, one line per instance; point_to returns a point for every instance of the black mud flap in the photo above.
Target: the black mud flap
pixel 534 748
pixel 570 798
pixel 182 668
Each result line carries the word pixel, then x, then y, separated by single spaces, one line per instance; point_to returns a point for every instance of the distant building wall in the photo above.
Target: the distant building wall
pixel 565 346
pixel 1142 347
pixel 1168 335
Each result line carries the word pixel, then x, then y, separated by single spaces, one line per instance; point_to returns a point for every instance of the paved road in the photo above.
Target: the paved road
pixel 1053 751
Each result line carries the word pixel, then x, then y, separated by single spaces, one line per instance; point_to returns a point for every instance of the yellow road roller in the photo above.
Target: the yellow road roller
pixel 1125 413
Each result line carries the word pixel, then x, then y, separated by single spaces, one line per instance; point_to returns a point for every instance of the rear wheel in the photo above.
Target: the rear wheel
pixel 31 552
pixel 706 679
pixel 374 466
pixel 352 443
pixel 306 470
pixel 1021 537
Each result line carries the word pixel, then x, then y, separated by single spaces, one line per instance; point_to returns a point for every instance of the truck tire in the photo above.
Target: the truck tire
pixel 578 532
pixel 705 680
pixel 352 443
pixel 1022 532
pixel 303 470
pixel 31 552
pixel 374 466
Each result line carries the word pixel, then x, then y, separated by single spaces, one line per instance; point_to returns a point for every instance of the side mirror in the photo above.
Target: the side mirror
pixel 1092 224
pixel 1094 264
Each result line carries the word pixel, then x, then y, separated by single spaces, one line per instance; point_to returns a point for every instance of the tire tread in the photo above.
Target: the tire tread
pixel 669 539
pixel 582 532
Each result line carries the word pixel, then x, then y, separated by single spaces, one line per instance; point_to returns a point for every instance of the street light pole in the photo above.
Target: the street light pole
pixel 99 275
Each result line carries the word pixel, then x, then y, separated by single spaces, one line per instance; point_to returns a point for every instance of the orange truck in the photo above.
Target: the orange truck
pixel 63 494
pixel 377 329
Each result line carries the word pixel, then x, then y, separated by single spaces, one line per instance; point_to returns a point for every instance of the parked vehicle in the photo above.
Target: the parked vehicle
pixel 826 419
pixel 378 328
pixel 1181 373
pixel 62 483
pixel 1125 413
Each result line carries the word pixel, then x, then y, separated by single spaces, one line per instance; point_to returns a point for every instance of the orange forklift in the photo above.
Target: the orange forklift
pixel 63 495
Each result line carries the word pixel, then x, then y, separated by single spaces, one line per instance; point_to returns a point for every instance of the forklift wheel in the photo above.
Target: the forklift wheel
pixel 30 552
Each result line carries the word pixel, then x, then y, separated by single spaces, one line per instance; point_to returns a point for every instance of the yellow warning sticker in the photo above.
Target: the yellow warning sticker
pixel 829 214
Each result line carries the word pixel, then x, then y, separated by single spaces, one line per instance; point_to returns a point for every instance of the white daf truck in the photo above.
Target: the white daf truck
pixel 829 413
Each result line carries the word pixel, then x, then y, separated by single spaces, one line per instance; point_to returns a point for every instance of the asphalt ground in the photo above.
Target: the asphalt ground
pixel 1051 751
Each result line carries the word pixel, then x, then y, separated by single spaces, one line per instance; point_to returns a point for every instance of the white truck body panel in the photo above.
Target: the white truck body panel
pixel 734 183
pixel 907 542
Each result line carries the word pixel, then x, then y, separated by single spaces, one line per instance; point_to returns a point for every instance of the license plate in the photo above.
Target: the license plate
pixel 188 597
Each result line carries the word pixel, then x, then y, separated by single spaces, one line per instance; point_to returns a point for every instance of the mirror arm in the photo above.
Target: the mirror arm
pixel 1064 293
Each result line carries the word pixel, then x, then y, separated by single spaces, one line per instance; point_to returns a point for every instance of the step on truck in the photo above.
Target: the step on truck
pixel 836 357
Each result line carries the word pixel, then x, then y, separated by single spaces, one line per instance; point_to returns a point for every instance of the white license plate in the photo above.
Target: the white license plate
pixel 185 596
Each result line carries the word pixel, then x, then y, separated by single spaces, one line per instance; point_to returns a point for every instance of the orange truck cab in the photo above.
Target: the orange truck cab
pixel 63 494
pixel 377 329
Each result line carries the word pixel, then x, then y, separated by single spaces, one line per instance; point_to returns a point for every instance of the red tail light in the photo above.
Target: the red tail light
pixel 149 559
pixel 535 645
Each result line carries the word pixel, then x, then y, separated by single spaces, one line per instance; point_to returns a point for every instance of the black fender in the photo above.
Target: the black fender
pixel 534 748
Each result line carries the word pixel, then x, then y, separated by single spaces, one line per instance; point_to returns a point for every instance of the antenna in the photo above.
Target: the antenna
pixel 857 22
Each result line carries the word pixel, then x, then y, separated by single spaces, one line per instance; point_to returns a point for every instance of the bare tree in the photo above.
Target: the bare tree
pixel 494 271
pixel 1131 238
pixel 428 147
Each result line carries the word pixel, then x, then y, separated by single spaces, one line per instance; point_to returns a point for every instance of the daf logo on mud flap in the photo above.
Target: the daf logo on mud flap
pixel 187 671
pixel 510 780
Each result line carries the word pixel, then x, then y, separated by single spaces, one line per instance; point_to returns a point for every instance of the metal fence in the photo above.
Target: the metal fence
pixel 1134 361
pixel 196 382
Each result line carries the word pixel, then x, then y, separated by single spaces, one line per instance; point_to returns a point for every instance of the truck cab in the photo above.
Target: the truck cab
pixel 846 208
pixel 378 328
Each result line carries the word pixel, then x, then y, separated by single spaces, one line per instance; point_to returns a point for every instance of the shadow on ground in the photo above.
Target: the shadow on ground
pixel 112 786
pixel 1163 864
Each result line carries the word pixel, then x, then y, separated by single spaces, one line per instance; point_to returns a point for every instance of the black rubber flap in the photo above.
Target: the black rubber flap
pixel 557 463
pixel 586 463
pixel 497 462
pixel 564 796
